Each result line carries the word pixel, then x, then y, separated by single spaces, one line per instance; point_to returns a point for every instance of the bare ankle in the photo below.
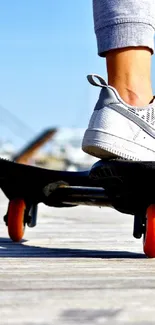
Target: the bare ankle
pixel 129 71
pixel 134 96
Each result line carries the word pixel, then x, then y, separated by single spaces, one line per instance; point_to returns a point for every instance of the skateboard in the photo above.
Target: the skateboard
pixel 123 185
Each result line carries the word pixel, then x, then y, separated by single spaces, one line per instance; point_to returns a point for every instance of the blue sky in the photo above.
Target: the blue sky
pixel 47 47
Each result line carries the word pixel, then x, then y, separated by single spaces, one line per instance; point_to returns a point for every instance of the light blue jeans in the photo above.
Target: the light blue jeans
pixel 124 23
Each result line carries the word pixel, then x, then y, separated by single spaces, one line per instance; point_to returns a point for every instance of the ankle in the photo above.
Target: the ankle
pixel 132 95
pixel 129 71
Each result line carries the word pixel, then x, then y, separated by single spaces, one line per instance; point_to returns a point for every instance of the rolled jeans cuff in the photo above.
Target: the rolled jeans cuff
pixel 125 34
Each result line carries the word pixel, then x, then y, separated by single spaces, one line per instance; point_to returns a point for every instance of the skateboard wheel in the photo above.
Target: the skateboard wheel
pixel 149 236
pixel 15 216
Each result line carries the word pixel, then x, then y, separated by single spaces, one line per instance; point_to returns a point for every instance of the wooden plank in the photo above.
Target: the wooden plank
pixel 78 266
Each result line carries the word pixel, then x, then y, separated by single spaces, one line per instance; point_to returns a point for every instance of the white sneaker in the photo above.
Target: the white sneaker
pixel 118 129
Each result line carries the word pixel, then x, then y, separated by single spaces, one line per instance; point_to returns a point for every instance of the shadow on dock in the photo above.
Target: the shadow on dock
pixel 19 250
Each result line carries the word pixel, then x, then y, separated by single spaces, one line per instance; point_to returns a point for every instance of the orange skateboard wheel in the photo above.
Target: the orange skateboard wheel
pixel 15 216
pixel 149 240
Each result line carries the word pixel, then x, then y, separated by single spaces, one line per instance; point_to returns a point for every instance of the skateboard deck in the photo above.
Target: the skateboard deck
pixel 37 184
pixel 124 185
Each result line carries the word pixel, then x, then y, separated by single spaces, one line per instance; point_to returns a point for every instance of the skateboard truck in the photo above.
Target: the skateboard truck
pixel 139 226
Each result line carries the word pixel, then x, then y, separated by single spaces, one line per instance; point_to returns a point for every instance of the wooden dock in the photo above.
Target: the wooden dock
pixel 77 266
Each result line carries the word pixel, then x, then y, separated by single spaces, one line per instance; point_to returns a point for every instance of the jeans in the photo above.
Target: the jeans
pixel 124 23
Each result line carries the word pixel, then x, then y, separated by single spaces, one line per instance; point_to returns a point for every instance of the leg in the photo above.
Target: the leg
pixel 123 122
pixel 125 36
pixel 129 71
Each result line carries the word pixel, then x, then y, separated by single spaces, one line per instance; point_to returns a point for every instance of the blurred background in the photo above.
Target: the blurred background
pixel 47 48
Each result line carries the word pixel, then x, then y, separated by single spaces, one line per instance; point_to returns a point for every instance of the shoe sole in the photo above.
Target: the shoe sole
pixel 103 145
